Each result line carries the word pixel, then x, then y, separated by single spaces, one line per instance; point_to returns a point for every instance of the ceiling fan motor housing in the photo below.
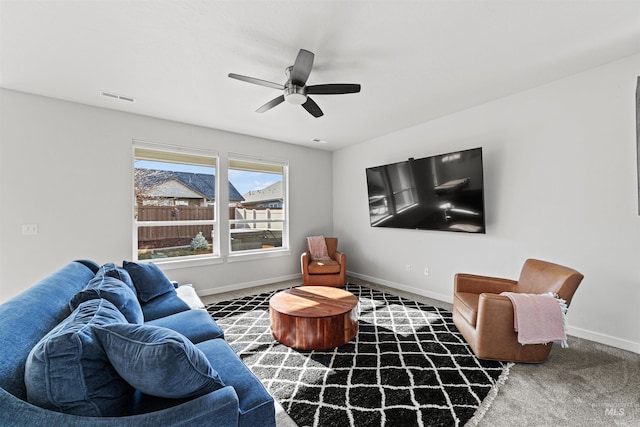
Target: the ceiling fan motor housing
pixel 295 94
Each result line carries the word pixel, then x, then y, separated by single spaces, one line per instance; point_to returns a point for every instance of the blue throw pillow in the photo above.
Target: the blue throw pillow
pixel 148 279
pixel 68 370
pixel 158 361
pixel 112 270
pixel 113 290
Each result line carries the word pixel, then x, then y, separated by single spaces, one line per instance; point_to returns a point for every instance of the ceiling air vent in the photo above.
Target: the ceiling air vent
pixel 116 96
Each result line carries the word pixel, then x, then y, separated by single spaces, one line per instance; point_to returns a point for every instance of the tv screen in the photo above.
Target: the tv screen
pixel 444 192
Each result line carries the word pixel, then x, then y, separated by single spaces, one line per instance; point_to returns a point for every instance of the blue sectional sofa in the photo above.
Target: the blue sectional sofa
pixel 77 349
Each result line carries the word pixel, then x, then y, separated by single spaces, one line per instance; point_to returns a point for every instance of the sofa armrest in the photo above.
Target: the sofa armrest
pixel 218 408
pixel 473 283
pixel 188 294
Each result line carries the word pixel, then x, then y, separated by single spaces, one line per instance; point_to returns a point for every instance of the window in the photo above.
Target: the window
pixel 175 210
pixel 257 205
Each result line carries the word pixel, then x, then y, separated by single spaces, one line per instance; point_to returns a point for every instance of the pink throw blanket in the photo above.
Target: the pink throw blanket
pixel 538 319
pixel 318 248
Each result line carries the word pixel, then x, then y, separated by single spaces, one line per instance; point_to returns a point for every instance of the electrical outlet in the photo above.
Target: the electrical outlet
pixel 29 229
pixel 426 271
pixel 407 267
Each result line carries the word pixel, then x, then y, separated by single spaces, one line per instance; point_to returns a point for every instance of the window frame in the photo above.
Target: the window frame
pixel 180 155
pixel 235 160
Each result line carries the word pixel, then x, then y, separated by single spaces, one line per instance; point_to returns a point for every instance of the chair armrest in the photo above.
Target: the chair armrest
pixel 340 257
pixel 494 312
pixel 304 262
pixel 482 284
pixel 494 331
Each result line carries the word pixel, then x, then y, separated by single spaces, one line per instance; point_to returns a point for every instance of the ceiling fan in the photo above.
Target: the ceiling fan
pixel 295 90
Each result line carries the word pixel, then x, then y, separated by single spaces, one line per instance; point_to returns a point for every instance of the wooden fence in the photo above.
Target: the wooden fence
pixel 265 216
pixel 173 235
pixel 181 235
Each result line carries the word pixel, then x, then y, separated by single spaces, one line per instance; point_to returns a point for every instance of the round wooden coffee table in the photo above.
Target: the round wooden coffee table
pixel 314 317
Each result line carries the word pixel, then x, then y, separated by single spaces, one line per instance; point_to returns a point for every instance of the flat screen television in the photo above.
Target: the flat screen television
pixel 444 192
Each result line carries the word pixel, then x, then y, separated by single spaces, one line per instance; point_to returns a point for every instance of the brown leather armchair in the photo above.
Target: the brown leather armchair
pixel 485 318
pixel 325 273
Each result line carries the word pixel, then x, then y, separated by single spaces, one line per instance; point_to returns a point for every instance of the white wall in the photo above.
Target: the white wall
pixel 560 185
pixel 68 168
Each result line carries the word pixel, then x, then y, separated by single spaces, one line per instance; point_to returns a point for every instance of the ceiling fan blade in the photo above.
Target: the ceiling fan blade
pixel 302 67
pixel 333 89
pixel 269 105
pixel 312 108
pixel 256 81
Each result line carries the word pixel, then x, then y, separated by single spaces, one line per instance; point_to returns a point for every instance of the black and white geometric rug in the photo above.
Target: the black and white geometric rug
pixel 407 366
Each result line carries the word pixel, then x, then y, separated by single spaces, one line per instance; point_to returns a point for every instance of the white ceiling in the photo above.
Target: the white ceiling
pixel 415 60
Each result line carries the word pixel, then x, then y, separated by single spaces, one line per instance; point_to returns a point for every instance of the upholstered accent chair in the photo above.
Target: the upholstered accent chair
pixel 485 318
pixel 331 272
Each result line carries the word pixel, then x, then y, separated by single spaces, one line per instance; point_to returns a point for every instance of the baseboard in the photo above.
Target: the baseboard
pixel 417 291
pixel 245 285
pixel 604 339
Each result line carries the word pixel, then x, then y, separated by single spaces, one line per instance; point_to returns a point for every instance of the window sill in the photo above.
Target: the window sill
pixel 176 263
pixel 249 256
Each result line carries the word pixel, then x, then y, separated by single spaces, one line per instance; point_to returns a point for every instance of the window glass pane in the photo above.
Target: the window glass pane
pixel 177 187
pixel 173 184
pixel 174 241
pixel 257 218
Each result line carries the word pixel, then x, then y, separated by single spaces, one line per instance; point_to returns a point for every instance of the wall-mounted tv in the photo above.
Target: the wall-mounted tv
pixel 444 192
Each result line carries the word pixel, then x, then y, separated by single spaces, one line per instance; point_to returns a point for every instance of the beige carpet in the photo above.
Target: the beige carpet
pixel 588 384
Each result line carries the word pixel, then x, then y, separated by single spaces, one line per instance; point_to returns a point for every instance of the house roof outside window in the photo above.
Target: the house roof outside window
pixel 271 193
pixel 170 184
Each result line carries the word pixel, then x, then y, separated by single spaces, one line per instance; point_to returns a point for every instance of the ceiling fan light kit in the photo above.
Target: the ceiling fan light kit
pixel 296 95
pixel 295 90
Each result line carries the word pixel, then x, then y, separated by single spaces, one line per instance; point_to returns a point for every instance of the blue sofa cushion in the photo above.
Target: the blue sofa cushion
pixel 68 371
pixel 113 290
pixel 197 325
pixel 112 270
pixel 163 305
pixel 148 279
pixel 158 361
